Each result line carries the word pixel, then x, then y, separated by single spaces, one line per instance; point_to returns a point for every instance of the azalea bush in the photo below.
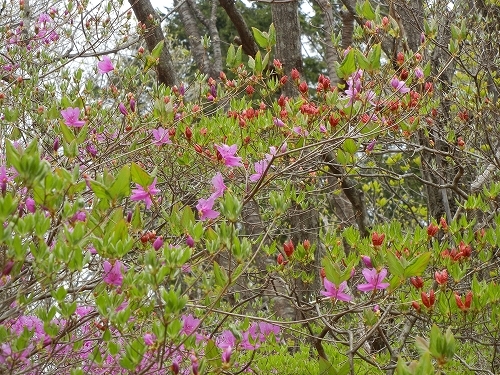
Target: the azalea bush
pixel 192 229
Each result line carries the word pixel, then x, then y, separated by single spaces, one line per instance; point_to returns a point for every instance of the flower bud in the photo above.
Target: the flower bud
pixel 158 243
pixel 122 109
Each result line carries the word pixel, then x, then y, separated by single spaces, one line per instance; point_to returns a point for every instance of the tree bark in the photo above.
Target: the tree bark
pixel 245 35
pixel 153 35
pixel 288 45
pixel 331 56
pixel 215 67
pixel 188 19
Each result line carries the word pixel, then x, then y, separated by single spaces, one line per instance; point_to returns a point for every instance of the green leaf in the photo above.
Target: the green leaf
pixel 121 185
pixel 325 367
pixel 261 38
pixel 13 156
pixel 374 56
pixel 401 368
pixel 68 135
pixel 363 62
pixel 140 176
pixel 231 55
pixel 367 11
pixel 251 62
pixel 350 146
pixel 212 354
pixel 220 275
pixel 272 36
pixel 424 366
pixel 395 266
pixel 258 63
pixel 156 52
pixel 332 271
pixel 348 65
pixel 100 190
pixel 417 265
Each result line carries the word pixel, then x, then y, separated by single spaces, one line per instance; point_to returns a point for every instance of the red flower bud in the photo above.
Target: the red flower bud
pixel 322 273
pixel 198 148
pixel 404 74
pixel 432 230
pixel 400 59
pixel 417 282
pixel 283 80
pixel 188 133
pixel 377 238
pixel 428 299
pixel 288 248
pixel 464 249
pixel 334 121
pixel 444 224
pixel 468 299
pixel 416 306
pixel 303 87
pixel 306 244
pixel 250 90
pixel 295 74
pixel 441 277
pixel 280 260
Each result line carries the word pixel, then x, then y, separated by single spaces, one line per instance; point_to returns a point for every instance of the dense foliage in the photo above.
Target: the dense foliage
pixel 219 226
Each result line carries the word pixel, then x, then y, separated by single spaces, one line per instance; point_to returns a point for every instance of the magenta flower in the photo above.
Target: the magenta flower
pixel 158 243
pixel 71 115
pixel 146 195
pixel 105 66
pixel 226 340
pixel 205 210
pixel 260 168
pixel 267 328
pixel 367 261
pixel 336 293
pixel 161 137
pixel 419 73
pixel 399 86
pixel 218 185
pixel 122 109
pixel 226 354
pixel 278 122
pixel 113 273
pixel 189 324
pixel 374 280
pixel 149 339
pixel 228 155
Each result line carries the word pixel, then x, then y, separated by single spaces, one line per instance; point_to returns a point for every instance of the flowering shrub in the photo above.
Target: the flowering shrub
pixel 145 233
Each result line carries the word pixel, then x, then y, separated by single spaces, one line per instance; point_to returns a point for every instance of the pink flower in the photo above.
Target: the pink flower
pixel 278 122
pixel 205 210
pixel 71 115
pixel 226 340
pixel 399 86
pixel 122 109
pixel 105 66
pixel 260 168
pixel 374 280
pixel 146 195
pixel 218 185
pixel 149 339
pixel 161 137
pixel 333 292
pixel 113 274
pixel 158 243
pixel 30 205
pixel 189 324
pixel 228 155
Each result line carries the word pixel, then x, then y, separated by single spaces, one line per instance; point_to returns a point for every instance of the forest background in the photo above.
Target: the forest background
pixel 217 187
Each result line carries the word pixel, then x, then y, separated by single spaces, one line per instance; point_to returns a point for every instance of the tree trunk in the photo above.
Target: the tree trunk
pixel 199 53
pixel 153 35
pixel 288 45
pixel 245 35
pixel 331 56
